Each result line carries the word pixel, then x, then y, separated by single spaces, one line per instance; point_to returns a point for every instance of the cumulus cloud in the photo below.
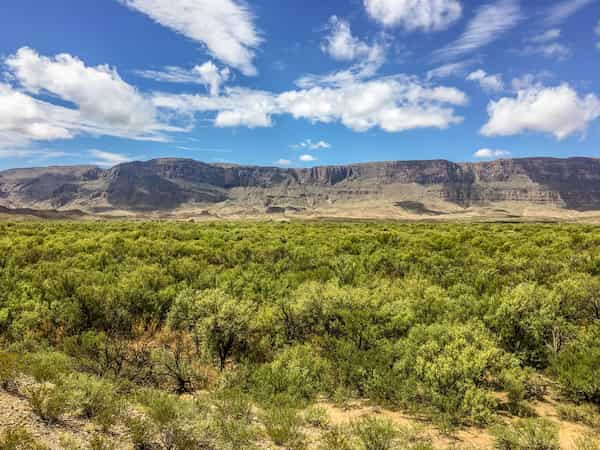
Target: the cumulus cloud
pixel 559 111
pixel 23 118
pixel 341 45
pixel 490 22
pixel 307 158
pixel 283 162
pixel 105 104
pixel 225 27
pixel 488 153
pixel 393 104
pixel 309 144
pixel 427 15
pixel 212 77
pixel 207 74
pixel 108 159
pixel 490 83
pixel 561 11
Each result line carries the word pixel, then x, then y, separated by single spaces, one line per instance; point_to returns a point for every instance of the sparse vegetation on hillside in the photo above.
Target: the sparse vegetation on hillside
pixel 185 336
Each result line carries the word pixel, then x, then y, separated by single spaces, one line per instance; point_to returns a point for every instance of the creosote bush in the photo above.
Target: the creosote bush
pixel 14 438
pixel 48 401
pixel 282 424
pixel 97 399
pixel 441 320
pixel 527 434
pixel 586 414
pixel 375 433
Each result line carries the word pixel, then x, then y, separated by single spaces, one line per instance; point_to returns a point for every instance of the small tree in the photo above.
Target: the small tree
pixel 577 367
pixel 215 318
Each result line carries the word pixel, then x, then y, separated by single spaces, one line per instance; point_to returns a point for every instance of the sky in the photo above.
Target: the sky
pixel 297 82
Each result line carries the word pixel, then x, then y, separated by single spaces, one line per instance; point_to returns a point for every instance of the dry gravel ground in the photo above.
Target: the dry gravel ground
pixel 15 411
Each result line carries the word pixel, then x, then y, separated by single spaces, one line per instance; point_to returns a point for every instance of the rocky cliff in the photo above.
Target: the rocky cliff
pixel 169 183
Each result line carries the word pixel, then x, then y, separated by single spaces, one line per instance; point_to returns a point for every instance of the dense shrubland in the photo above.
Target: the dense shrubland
pixel 221 335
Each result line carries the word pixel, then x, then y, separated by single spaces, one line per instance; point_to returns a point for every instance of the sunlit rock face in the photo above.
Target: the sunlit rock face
pixel 166 184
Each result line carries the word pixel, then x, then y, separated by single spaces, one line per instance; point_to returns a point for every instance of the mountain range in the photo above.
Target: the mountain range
pixel 172 187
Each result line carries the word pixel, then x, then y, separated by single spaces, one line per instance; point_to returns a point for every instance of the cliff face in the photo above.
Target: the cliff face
pixel 165 184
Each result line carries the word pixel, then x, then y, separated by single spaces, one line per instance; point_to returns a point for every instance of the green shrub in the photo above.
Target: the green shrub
pixel 47 366
pixel 141 430
pixel 527 434
pixel 97 442
pixel 171 418
pixel 520 385
pixel 524 320
pixel 14 438
pixel 589 441
pixel 577 366
pixel 48 401
pixel 316 416
pixel 232 418
pixel 336 438
pixel 586 414
pixel 296 372
pixel 96 399
pixel 161 407
pixel 234 404
pixel 9 371
pixel 536 387
pixel 282 425
pixel 375 433
pixel 447 367
pixel 215 317
pixel 413 437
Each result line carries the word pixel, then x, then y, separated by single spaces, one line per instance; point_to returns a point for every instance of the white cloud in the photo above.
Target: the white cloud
pixel 212 77
pixel 207 74
pixel 309 144
pixel 487 153
pixel 393 104
pixel 561 11
pixel 37 154
pixel 415 14
pixel 105 103
pixel 341 45
pixel 171 74
pixel 490 22
pixel 283 162
pixel 490 83
pixel 547 45
pixel 530 80
pixel 552 50
pixel 558 110
pixel 307 158
pixel 225 27
pixel 449 69
pixel 547 36
pixel 108 159
pixel 23 118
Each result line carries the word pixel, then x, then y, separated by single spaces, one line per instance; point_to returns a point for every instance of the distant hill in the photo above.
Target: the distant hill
pixel 436 187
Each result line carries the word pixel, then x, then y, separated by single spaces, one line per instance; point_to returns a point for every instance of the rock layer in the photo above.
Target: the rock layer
pixel 166 184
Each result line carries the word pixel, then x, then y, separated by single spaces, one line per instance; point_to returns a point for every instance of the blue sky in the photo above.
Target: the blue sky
pixel 297 82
